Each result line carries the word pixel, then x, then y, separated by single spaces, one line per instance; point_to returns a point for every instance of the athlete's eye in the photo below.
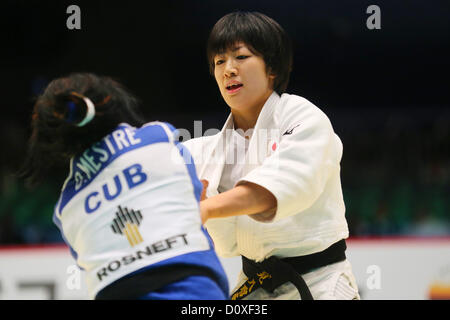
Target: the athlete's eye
pixel 241 57
pixel 218 62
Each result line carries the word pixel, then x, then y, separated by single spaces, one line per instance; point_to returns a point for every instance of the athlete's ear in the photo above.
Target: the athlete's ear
pixel 271 74
pixel 272 77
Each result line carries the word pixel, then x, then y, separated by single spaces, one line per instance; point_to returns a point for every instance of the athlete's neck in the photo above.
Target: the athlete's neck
pixel 247 118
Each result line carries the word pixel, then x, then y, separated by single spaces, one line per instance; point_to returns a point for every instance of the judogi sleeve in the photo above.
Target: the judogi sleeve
pixel 297 172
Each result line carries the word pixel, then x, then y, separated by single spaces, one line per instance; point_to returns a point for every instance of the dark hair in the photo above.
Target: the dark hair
pixel 55 135
pixel 263 35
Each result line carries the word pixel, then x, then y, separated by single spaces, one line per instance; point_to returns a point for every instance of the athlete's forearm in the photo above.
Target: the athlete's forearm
pixel 245 199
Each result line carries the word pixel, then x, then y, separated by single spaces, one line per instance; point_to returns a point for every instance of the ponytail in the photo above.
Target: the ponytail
pixel 75 106
pixel 73 113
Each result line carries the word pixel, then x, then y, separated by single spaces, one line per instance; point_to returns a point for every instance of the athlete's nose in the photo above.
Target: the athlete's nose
pixel 230 69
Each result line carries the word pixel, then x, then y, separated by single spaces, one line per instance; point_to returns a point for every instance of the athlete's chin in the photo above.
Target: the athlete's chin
pixel 238 107
pixel 237 103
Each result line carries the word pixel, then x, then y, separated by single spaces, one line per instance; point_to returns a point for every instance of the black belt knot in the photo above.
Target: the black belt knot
pixel 273 272
pixel 263 272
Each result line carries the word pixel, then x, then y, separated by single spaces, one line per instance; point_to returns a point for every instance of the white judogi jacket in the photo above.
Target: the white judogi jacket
pixel 295 154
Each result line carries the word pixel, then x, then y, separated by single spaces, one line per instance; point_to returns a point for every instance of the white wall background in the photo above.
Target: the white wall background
pixel 402 268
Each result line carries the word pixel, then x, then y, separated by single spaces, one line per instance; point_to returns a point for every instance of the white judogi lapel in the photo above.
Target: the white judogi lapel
pixel 265 134
pixel 214 159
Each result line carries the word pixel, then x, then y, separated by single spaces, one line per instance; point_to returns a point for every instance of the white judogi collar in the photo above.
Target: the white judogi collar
pixel 214 158
pixel 264 117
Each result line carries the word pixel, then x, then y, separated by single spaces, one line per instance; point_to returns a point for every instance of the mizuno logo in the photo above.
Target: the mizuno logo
pixel 288 132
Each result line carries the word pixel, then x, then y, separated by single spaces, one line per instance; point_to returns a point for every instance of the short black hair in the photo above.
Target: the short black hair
pixel 263 35
pixel 55 136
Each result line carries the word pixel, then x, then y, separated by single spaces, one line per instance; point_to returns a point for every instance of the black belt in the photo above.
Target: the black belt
pixel 273 272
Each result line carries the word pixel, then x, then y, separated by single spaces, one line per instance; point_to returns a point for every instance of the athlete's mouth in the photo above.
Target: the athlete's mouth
pixel 234 86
